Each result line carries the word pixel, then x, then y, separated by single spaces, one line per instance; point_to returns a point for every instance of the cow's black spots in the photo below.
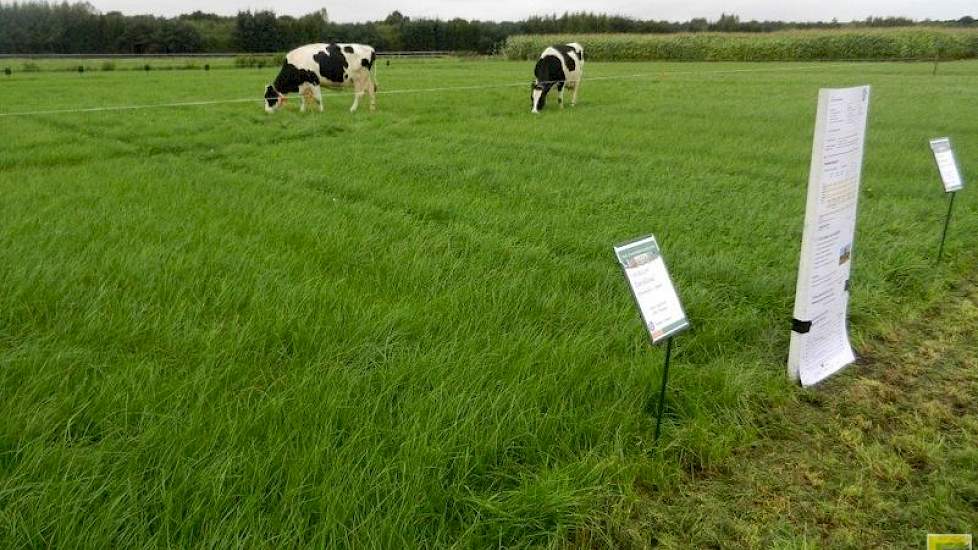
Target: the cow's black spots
pixel 565 52
pixel 348 49
pixel 332 64
pixel 290 78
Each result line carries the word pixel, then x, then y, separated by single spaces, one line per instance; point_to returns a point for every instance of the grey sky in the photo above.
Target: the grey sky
pixel 674 10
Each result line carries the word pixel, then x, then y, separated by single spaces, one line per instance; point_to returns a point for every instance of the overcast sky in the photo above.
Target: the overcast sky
pixel 498 10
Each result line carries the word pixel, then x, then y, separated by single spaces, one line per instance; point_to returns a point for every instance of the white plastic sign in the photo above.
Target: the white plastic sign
pixel 948 167
pixel 819 339
pixel 654 292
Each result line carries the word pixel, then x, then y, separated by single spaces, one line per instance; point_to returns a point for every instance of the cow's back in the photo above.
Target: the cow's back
pixel 334 64
pixel 570 56
pixel 303 57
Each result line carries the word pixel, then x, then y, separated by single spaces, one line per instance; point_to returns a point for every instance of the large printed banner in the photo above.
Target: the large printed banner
pixel 819 339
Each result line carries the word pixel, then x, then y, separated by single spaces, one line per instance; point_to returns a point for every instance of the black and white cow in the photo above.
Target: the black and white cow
pixel 308 67
pixel 560 65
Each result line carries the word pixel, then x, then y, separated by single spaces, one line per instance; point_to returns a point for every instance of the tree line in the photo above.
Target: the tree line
pixel 41 27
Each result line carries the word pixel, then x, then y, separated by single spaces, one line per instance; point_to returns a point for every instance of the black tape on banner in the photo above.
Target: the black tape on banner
pixel 801 327
pixel 848 285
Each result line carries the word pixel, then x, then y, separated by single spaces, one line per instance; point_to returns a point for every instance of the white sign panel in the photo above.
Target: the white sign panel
pixel 654 293
pixel 819 339
pixel 944 155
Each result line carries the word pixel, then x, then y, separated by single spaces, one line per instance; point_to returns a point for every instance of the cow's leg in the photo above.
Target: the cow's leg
pixel 318 93
pixel 577 86
pixel 560 93
pixel 358 90
pixel 372 90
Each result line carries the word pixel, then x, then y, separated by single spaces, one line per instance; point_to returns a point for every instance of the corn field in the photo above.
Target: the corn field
pixel 872 44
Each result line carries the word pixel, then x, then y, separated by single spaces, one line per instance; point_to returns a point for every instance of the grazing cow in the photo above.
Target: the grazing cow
pixel 560 65
pixel 308 67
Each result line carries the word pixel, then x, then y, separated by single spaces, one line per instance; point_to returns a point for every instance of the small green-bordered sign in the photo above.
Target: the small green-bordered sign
pixel 946 164
pixel 652 288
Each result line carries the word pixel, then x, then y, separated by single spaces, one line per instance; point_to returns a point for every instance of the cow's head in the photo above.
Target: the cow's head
pixel 538 96
pixel 273 99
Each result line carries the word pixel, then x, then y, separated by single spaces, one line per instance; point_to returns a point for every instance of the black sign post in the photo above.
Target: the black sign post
pixel 947 222
pixel 657 302
pixel 662 390
pixel 950 177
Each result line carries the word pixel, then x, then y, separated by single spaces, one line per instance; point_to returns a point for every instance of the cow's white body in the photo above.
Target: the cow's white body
pixel 309 67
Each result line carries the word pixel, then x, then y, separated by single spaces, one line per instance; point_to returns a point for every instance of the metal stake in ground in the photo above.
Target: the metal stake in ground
pixel 947 222
pixel 657 301
pixel 950 177
pixel 662 390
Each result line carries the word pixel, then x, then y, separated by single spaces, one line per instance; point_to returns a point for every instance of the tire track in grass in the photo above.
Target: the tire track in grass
pixel 537 261
pixel 415 216
pixel 129 146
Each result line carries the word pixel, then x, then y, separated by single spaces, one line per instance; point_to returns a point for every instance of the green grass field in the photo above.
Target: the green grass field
pixel 407 328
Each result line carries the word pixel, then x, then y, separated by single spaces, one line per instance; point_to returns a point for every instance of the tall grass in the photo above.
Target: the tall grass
pixel 406 328
pixel 870 44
